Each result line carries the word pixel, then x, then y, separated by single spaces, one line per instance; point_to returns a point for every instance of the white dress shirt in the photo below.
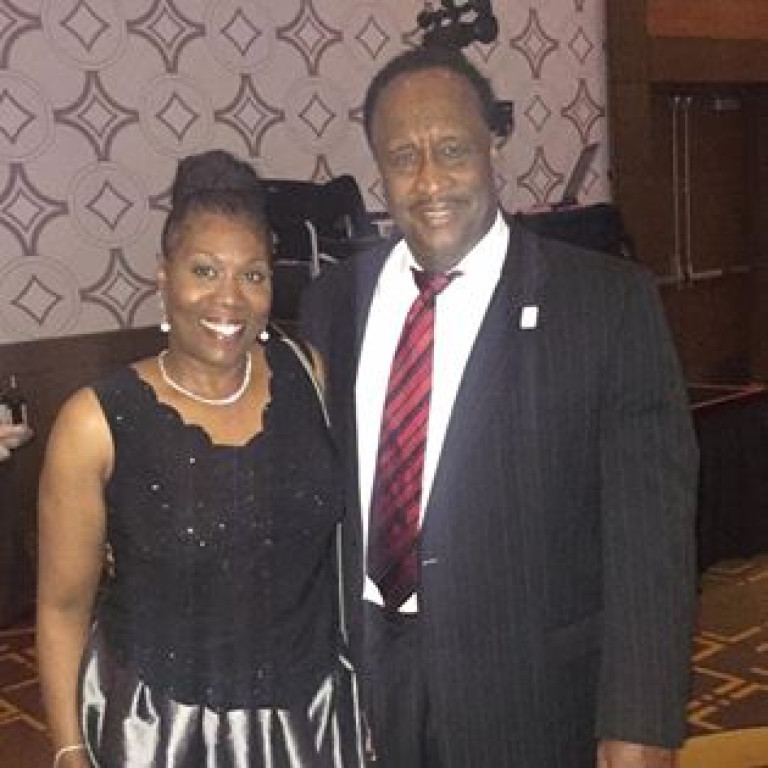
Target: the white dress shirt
pixel 459 311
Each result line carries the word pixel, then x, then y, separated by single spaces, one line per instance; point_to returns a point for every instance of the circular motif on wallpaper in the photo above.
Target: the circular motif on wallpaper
pixel 316 113
pixel 176 117
pixel 239 34
pixel 108 204
pixel 26 118
pixel 38 298
pixel 88 35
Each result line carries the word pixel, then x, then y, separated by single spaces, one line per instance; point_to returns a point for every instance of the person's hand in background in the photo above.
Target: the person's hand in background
pixel 11 437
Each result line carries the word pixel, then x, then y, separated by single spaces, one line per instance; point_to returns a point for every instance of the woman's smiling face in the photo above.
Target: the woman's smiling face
pixel 217 287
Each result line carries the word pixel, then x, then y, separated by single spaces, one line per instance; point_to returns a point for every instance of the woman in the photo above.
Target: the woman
pixel 207 475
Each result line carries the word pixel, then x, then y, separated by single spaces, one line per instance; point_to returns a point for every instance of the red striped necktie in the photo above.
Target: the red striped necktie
pixel 396 496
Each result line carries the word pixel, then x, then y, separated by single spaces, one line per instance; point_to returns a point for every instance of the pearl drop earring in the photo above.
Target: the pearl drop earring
pixel 264 336
pixel 165 326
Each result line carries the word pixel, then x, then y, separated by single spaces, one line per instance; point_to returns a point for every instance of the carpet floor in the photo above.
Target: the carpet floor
pixel 730 659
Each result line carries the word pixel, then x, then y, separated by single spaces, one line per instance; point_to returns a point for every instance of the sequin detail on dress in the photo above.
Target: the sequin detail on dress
pixel 223 588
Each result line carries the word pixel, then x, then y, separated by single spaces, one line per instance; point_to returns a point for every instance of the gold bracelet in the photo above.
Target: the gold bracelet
pixel 65 751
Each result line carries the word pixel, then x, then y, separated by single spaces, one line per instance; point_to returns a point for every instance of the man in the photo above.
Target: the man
pixel 550 619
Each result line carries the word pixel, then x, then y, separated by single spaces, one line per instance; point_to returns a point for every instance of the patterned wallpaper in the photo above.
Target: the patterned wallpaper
pixel 100 98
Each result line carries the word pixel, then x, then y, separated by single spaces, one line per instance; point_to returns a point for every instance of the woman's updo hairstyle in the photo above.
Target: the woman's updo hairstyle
pixel 214 182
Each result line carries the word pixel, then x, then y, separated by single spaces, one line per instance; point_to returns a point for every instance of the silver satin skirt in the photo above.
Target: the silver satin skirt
pixel 126 724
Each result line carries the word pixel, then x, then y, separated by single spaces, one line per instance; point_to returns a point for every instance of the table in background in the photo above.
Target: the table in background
pixel 732 427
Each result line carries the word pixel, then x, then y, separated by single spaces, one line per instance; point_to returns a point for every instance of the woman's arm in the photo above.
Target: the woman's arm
pixel 71 510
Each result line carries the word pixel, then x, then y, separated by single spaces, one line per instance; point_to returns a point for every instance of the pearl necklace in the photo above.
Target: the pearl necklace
pixel 233 398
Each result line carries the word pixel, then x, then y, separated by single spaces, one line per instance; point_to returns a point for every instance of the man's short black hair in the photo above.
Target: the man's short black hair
pixel 431 57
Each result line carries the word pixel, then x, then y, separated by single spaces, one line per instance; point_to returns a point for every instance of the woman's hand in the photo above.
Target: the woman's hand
pixel 73 758
pixel 622 754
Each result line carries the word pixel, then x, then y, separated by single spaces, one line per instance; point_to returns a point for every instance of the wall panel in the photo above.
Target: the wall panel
pixel 99 99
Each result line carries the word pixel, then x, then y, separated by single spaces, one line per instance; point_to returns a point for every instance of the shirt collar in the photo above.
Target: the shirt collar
pixel 483 262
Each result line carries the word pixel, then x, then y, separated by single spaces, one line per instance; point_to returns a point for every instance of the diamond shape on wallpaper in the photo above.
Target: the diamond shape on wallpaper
pixel 583 111
pixel 250 115
pixel 38 297
pixel 309 35
pixel 21 209
pixel 36 300
pixel 97 116
pixel 168 30
pixel 241 32
pixel 109 204
pixel 372 34
pixel 541 179
pixel 317 115
pixel 538 113
pixel 85 24
pixel 580 45
pixel 87 33
pixel 372 37
pixel 176 115
pixel 120 290
pixel 24 210
pixel 14 118
pixel 534 43
pixel 26 118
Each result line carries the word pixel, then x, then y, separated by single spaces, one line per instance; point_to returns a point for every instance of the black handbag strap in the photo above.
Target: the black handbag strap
pixel 310 370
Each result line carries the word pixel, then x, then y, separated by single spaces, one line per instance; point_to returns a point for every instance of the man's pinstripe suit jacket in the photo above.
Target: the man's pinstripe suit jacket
pixel 557 583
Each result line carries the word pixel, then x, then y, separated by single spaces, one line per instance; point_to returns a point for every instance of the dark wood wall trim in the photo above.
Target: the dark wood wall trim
pixel 718 323
pixel 731 19
pixel 674 59
pixel 47 371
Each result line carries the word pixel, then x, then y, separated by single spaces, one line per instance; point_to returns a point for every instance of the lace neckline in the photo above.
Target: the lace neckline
pixel 199 429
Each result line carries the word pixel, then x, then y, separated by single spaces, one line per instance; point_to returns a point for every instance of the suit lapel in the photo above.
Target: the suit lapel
pixel 365 273
pixel 367 270
pixel 494 365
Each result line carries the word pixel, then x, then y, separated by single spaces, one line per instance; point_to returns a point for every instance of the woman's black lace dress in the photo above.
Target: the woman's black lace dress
pixel 216 635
